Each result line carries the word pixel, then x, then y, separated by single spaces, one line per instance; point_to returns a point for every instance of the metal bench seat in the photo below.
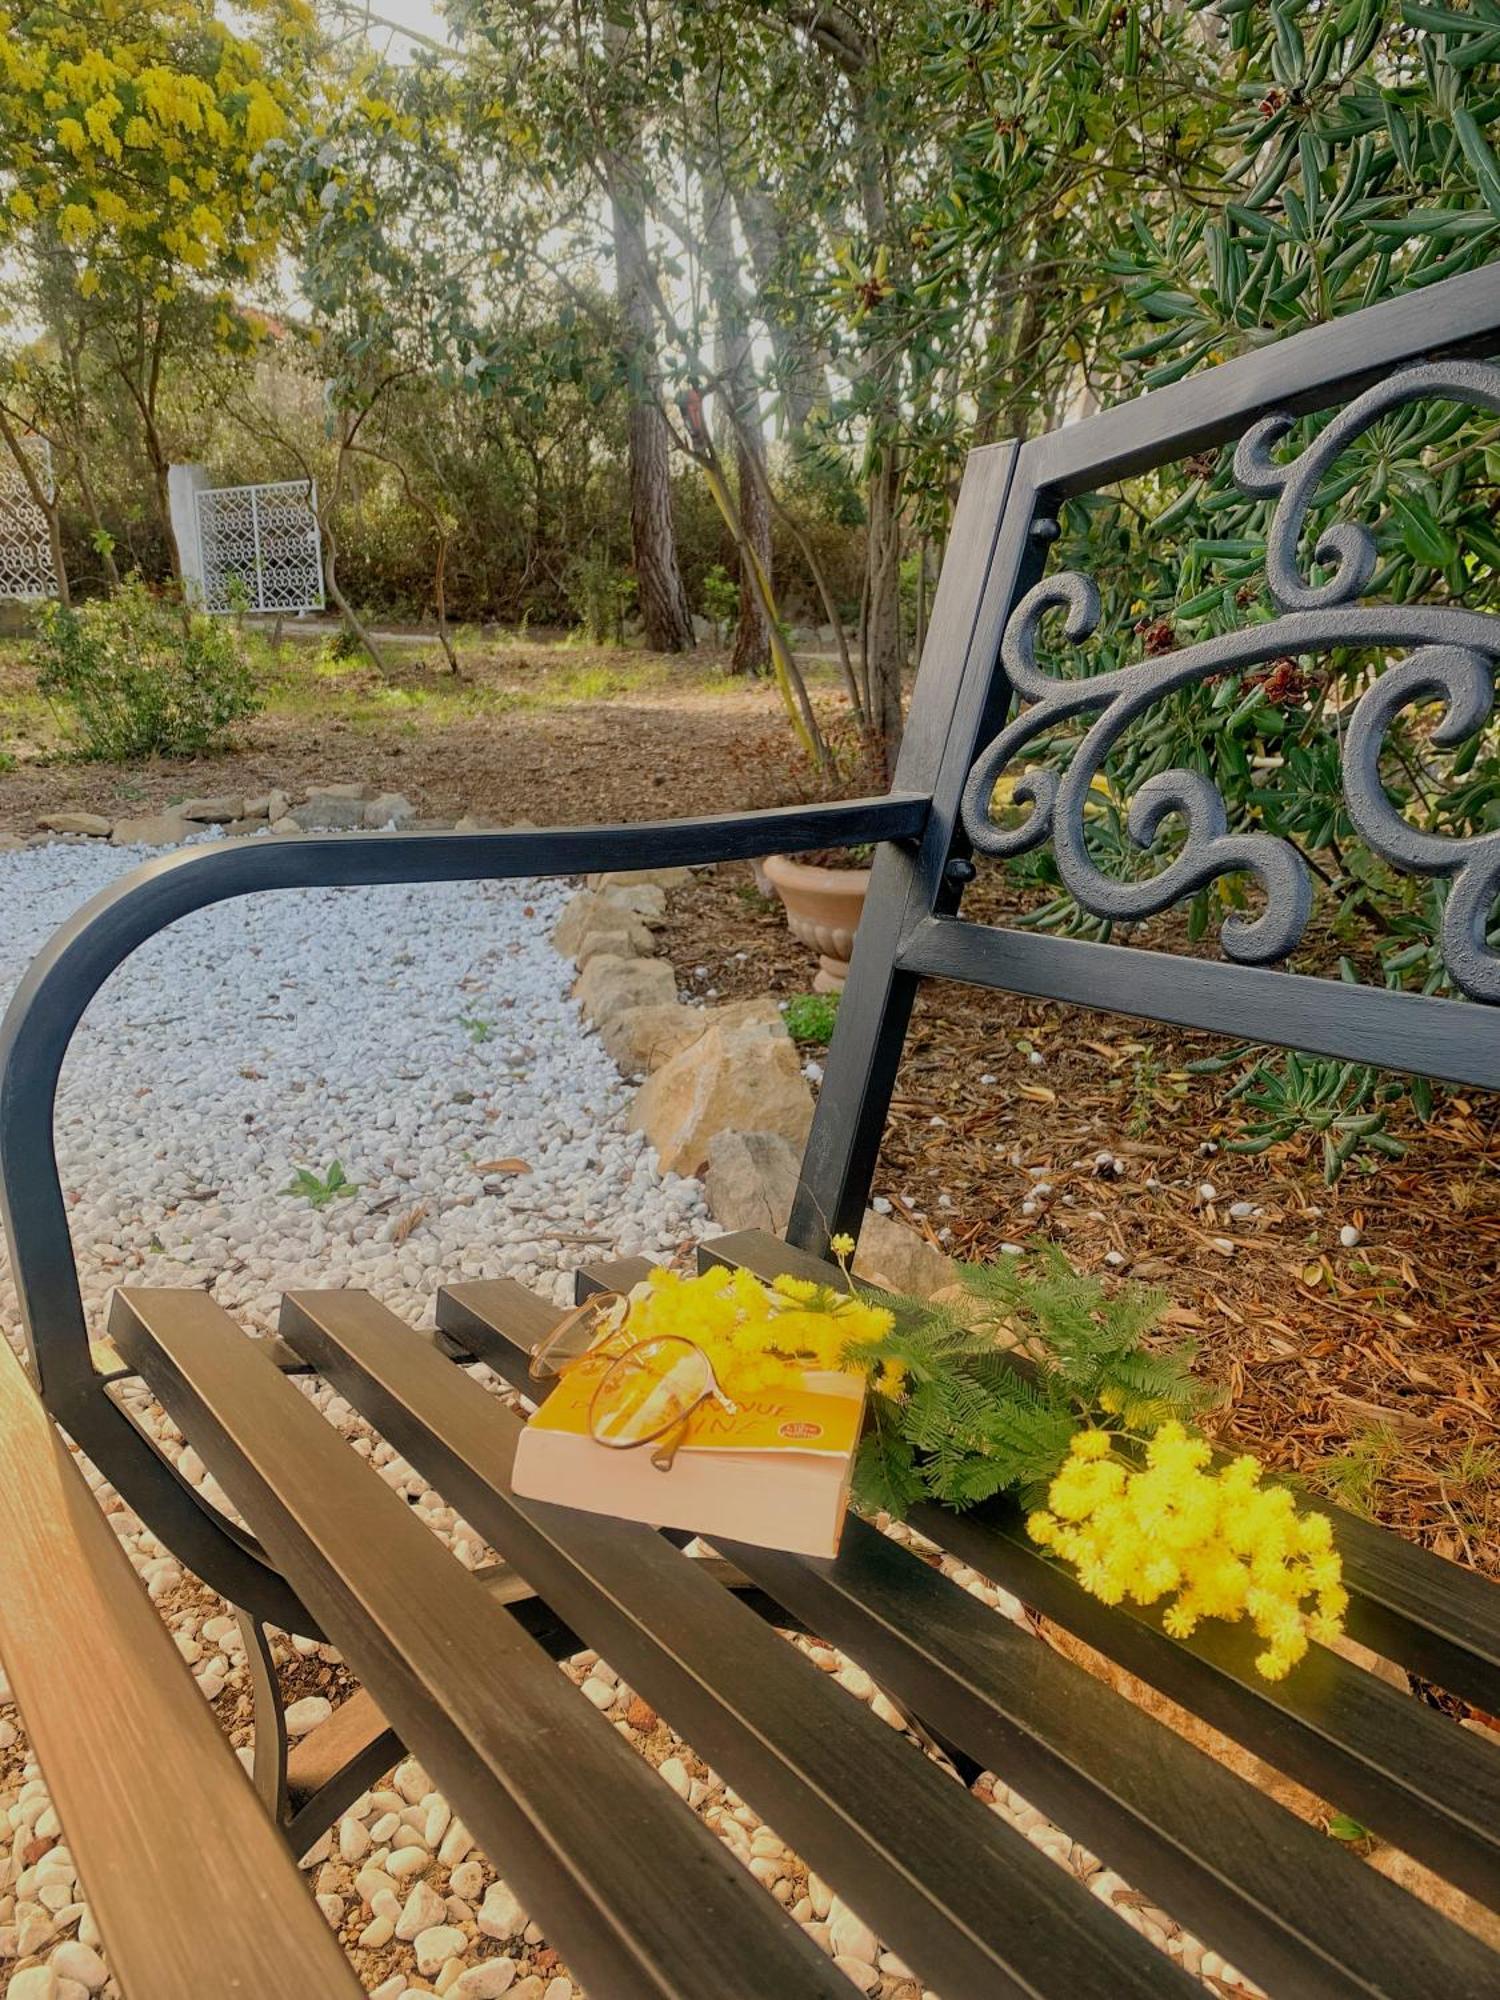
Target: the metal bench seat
pixel 635 1892
pixel 601 1851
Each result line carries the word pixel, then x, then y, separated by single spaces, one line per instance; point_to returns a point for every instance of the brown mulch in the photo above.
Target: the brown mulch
pixel 1374 1371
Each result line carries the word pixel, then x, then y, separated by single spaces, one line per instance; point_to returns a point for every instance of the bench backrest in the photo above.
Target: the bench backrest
pixel 984 699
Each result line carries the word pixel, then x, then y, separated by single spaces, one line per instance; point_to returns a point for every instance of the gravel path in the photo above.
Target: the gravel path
pixel 416 1036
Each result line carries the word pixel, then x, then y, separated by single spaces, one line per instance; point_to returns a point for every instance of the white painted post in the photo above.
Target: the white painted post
pixel 183 482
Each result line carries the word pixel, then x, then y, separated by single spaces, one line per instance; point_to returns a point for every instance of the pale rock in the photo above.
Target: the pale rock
pixel 354 1840
pixel 371 1882
pixel 608 985
pixel 434 1947
pixel 153 830
pixel 328 812
pixel 259 807
pixel 467 1880
pixel 616 942
pixel 332 1907
pixel 407 1862
pixel 643 1038
pixel 645 900
pixel 215 811
pixel 37 1982
pixel 730 1079
pixel 849 1935
pixel 389 809
pixel 750 1179
pixel 286 824
pixel 559 1989
pixel 500 1915
pixel 895 1256
pixel 377 1932
pixel 582 913
pixel 865 1977
pixel 345 789
pixel 486 1981
pixel 456 1843
pixel 69 1989
pixel 675 1772
pixel 278 805
pixel 625 878
pixel 89 824
pixel 412 1782
pixel 423 1910
pixel 307 1714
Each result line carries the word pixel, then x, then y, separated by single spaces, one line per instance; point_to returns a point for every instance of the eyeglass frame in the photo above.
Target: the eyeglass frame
pixel 541 1368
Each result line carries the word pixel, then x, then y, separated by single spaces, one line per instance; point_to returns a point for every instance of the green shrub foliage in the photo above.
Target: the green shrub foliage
pixel 136 676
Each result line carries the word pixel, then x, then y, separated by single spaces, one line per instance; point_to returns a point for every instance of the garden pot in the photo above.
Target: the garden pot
pixel 823 908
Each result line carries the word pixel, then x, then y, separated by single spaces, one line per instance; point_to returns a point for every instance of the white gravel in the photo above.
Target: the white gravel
pixel 411 1034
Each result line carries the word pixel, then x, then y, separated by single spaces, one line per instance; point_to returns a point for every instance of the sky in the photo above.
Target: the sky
pixel 421 15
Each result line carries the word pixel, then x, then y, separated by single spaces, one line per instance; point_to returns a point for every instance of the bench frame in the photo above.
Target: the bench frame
pixel 980 657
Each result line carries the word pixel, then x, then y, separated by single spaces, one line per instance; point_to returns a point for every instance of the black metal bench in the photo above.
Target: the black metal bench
pixel 635 1892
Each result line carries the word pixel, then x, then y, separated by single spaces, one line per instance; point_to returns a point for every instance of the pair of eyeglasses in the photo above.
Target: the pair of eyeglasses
pixel 649 1391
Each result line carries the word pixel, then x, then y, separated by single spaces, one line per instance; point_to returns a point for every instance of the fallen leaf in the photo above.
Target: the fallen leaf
pixel 403 1228
pixel 502 1167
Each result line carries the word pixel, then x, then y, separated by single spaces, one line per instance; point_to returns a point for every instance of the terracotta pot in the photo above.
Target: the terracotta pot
pixel 823 907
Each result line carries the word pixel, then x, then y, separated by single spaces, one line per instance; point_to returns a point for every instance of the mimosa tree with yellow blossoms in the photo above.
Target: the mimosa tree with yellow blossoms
pixel 138 155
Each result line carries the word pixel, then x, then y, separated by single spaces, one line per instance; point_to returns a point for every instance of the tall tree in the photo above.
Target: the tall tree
pixel 661 596
pixel 136 134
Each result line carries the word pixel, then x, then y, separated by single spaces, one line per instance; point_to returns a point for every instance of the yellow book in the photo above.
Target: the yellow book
pixel 774 1470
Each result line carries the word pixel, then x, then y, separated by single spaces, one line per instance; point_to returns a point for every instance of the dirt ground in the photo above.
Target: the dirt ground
pixel 535 731
pixel 1355 1328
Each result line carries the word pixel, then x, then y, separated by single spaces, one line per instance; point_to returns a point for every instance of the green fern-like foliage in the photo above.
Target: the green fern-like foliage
pixel 993 1396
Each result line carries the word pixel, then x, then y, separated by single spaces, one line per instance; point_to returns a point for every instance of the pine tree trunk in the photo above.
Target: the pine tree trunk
pixel 752 638
pixel 662 600
pixel 884 653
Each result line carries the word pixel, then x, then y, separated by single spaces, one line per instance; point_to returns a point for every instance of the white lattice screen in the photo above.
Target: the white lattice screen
pixel 25 549
pixel 261 541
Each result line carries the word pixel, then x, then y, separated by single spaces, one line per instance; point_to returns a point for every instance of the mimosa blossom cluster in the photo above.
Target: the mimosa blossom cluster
pixel 1218 1544
pixel 756 1336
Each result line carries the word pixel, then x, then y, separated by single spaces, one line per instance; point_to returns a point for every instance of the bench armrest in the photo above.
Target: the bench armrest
pixel 70 969
pixel 192 1885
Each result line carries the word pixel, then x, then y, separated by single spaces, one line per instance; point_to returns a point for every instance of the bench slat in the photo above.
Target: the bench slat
pixel 1268 1891
pixel 963 1898
pixel 639 1896
pixel 1398 1766
pixel 202 1897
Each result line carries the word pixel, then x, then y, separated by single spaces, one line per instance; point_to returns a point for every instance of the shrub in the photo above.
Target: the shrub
pixel 139 677
pixel 810 1016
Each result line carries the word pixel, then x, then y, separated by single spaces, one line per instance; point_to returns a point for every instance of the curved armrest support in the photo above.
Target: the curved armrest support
pixel 70 969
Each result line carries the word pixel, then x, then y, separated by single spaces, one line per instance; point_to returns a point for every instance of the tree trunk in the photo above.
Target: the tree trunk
pixel 664 607
pixel 884 653
pixel 752 639
pixel 752 636
pixel 662 600
pixel 801 369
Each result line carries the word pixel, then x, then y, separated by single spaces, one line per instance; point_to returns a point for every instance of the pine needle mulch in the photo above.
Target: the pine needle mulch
pixel 1369 1368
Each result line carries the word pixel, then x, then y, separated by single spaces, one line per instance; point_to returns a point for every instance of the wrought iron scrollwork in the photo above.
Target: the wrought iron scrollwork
pixel 1450 658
